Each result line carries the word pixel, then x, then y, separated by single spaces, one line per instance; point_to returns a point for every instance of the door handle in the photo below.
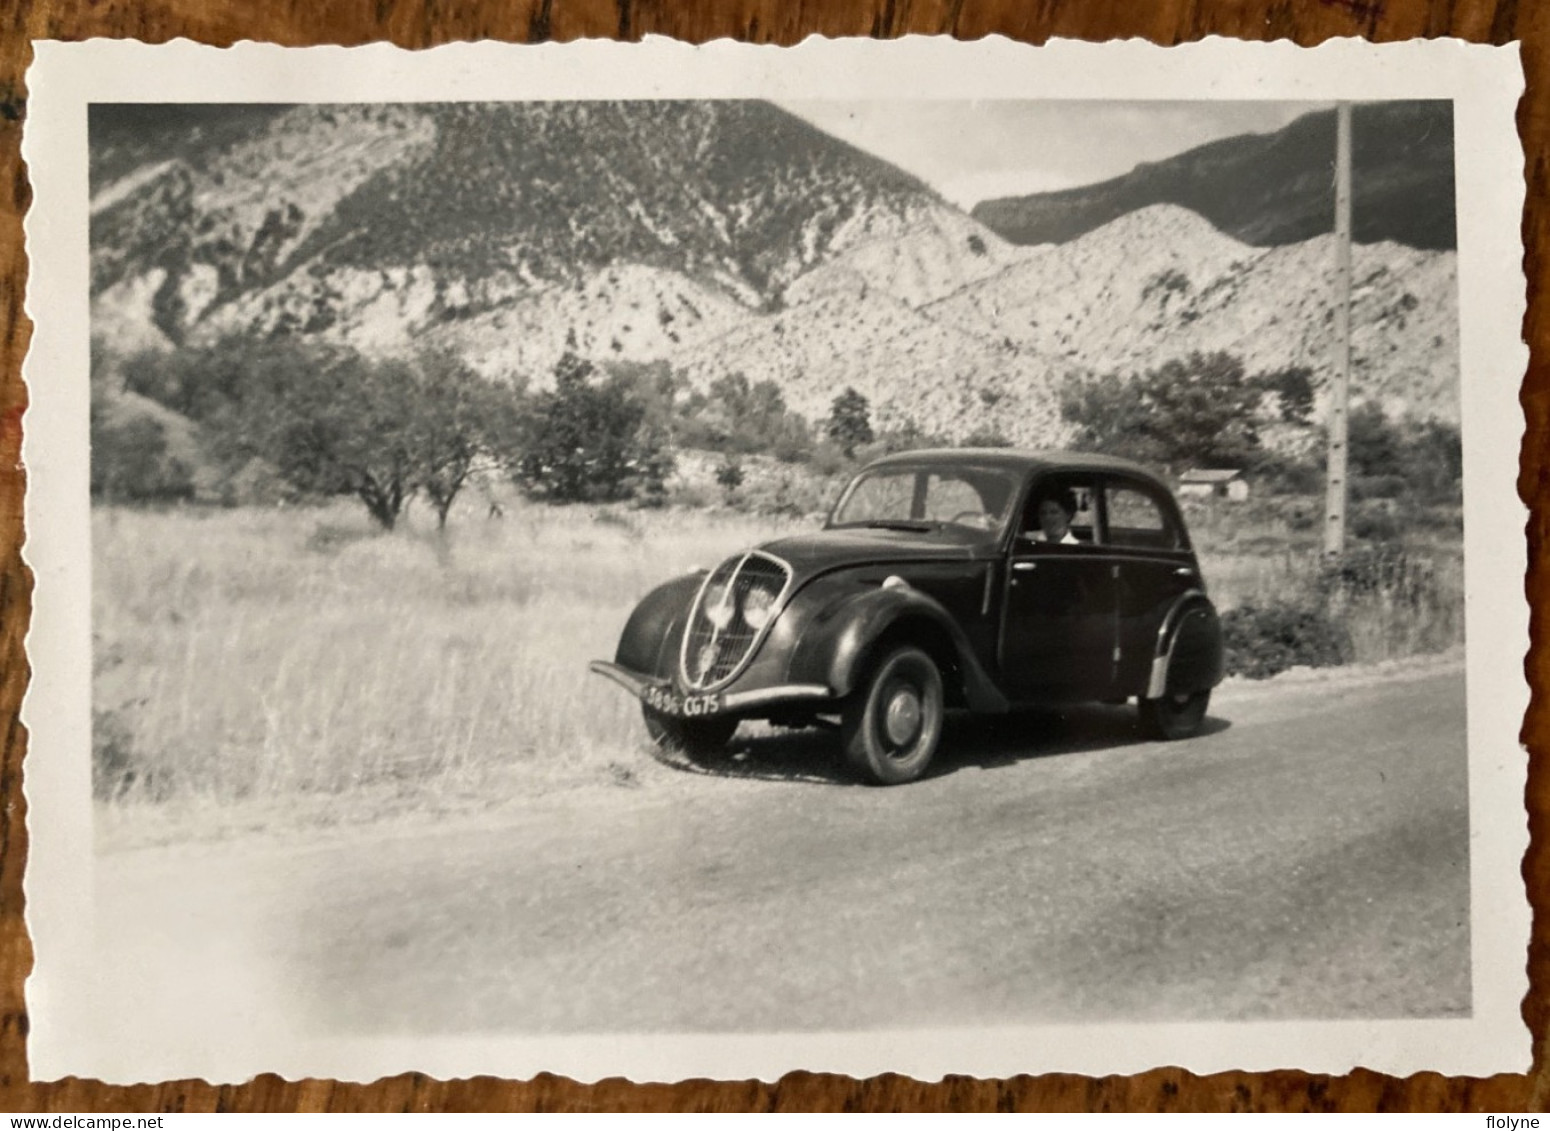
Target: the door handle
pixel 1183 571
pixel 1024 567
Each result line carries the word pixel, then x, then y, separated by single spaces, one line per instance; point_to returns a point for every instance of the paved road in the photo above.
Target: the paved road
pixel 1307 857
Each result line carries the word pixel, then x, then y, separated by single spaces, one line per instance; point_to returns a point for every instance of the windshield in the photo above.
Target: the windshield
pixel 923 498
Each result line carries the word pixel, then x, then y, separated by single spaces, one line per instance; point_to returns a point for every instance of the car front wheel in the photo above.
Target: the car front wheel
pixel 698 738
pixel 891 726
pixel 1175 716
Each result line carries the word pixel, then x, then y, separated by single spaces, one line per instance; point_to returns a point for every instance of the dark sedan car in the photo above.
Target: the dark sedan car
pixel 983 580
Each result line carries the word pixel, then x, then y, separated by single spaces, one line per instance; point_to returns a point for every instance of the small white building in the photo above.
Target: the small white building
pixel 1219 483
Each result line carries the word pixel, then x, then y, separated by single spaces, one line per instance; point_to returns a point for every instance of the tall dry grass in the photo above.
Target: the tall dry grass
pixel 264 654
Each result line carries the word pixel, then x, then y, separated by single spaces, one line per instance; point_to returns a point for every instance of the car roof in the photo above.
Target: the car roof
pixel 1018 460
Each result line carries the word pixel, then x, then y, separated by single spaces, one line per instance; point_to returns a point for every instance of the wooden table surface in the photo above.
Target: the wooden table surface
pixel 421 23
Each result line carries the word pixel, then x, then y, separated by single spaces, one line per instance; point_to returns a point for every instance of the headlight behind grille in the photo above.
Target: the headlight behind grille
pixel 735 606
pixel 758 604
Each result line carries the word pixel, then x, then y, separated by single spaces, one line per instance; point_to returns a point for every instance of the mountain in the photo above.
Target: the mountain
pixel 720 236
pixel 493 199
pixel 1274 189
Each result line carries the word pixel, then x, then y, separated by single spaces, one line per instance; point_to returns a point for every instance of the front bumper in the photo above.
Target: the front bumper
pixel 731 702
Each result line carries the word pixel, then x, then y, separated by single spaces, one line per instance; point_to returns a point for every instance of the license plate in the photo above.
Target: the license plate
pixel 669 702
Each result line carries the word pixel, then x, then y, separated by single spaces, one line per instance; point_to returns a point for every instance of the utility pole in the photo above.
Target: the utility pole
pixel 1337 493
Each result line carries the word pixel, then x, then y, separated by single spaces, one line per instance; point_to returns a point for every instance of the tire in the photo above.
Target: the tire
pixel 891 726
pixel 1172 717
pixel 698 738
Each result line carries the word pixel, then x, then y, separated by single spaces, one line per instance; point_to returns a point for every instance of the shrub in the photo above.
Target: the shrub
pixel 1376 524
pixel 829 460
pixel 130 462
pixel 1386 570
pixel 729 477
pixel 117 766
pixel 588 441
pixel 1262 640
pixel 986 438
pixel 1387 486
pixel 1396 600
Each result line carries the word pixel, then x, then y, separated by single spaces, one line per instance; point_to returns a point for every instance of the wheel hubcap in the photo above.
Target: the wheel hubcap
pixel 901 717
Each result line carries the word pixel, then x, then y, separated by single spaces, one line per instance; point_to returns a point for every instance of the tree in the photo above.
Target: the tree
pixel 736 417
pixel 1375 445
pixel 1194 411
pixel 460 419
pixel 1421 459
pixel 849 424
pixel 349 428
pixel 130 462
pixel 1293 390
pixel 587 441
pixel 1434 460
pixel 729 476
pixel 330 421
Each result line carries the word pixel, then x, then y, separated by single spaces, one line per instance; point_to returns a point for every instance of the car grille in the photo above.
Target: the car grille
pixel 713 653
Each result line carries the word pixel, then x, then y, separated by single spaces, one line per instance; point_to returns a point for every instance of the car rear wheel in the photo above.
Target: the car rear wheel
pixel 891 726
pixel 1175 716
pixel 698 738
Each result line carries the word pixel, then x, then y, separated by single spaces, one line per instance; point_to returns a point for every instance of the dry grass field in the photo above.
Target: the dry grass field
pixel 280 665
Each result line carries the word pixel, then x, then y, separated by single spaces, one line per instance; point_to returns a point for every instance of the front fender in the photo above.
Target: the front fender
pixel 835 646
pixel 654 633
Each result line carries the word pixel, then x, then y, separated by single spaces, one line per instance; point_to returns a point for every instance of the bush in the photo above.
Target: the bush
pixel 986 438
pixel 1375 524
pixel 1277 473
pixel 1265 640
pixel 1384 570
pixel 130 462
pixel 112 755
pixel 1378 486
pixel 588 441
pixel 729 477
pixel 829 460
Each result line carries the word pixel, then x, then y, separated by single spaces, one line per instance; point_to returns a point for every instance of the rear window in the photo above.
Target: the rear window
pixel 1137 518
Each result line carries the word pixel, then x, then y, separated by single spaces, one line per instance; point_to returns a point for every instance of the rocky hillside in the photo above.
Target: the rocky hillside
pixel 1273 189
pixel 721 236
pixel 491 200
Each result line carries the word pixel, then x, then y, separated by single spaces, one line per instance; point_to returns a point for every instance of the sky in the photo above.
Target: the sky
pixel 973 151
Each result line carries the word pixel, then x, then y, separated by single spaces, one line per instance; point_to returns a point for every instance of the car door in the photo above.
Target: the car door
pixel 1154 567
pixel 1058 626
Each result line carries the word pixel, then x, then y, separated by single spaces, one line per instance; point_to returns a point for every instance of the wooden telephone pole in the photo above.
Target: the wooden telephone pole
pixel 1337 493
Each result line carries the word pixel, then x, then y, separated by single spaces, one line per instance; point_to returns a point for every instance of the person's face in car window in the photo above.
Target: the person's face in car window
pixel 1054 520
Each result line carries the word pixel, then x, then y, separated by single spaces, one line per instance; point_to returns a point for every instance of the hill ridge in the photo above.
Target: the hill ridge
pixel 787 256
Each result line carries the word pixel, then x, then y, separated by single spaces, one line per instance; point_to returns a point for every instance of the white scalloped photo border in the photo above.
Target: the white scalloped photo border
pixel 69 1036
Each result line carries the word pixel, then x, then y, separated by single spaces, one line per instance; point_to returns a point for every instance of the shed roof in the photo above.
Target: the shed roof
pixel 1210 475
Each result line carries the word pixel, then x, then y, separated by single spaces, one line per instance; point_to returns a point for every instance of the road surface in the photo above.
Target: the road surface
pixel 1307 857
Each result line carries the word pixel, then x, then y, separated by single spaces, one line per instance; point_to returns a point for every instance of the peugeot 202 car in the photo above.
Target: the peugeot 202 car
pixel 983 580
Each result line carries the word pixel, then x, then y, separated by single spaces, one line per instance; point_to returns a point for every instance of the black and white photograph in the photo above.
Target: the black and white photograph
pixel 662 561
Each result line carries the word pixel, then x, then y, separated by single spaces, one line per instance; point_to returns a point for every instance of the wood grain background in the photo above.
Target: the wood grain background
pixel 422 23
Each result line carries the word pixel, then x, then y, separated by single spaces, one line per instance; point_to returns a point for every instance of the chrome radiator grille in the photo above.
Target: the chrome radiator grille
pixel 719 640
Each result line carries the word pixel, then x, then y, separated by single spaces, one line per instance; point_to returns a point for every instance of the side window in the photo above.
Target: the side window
pixel 1060 511
pixel 1136 518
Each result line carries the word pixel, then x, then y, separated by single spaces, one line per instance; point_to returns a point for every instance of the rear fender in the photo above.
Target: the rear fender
pixel 1189 655
pixel 836 648
pixel 654 633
